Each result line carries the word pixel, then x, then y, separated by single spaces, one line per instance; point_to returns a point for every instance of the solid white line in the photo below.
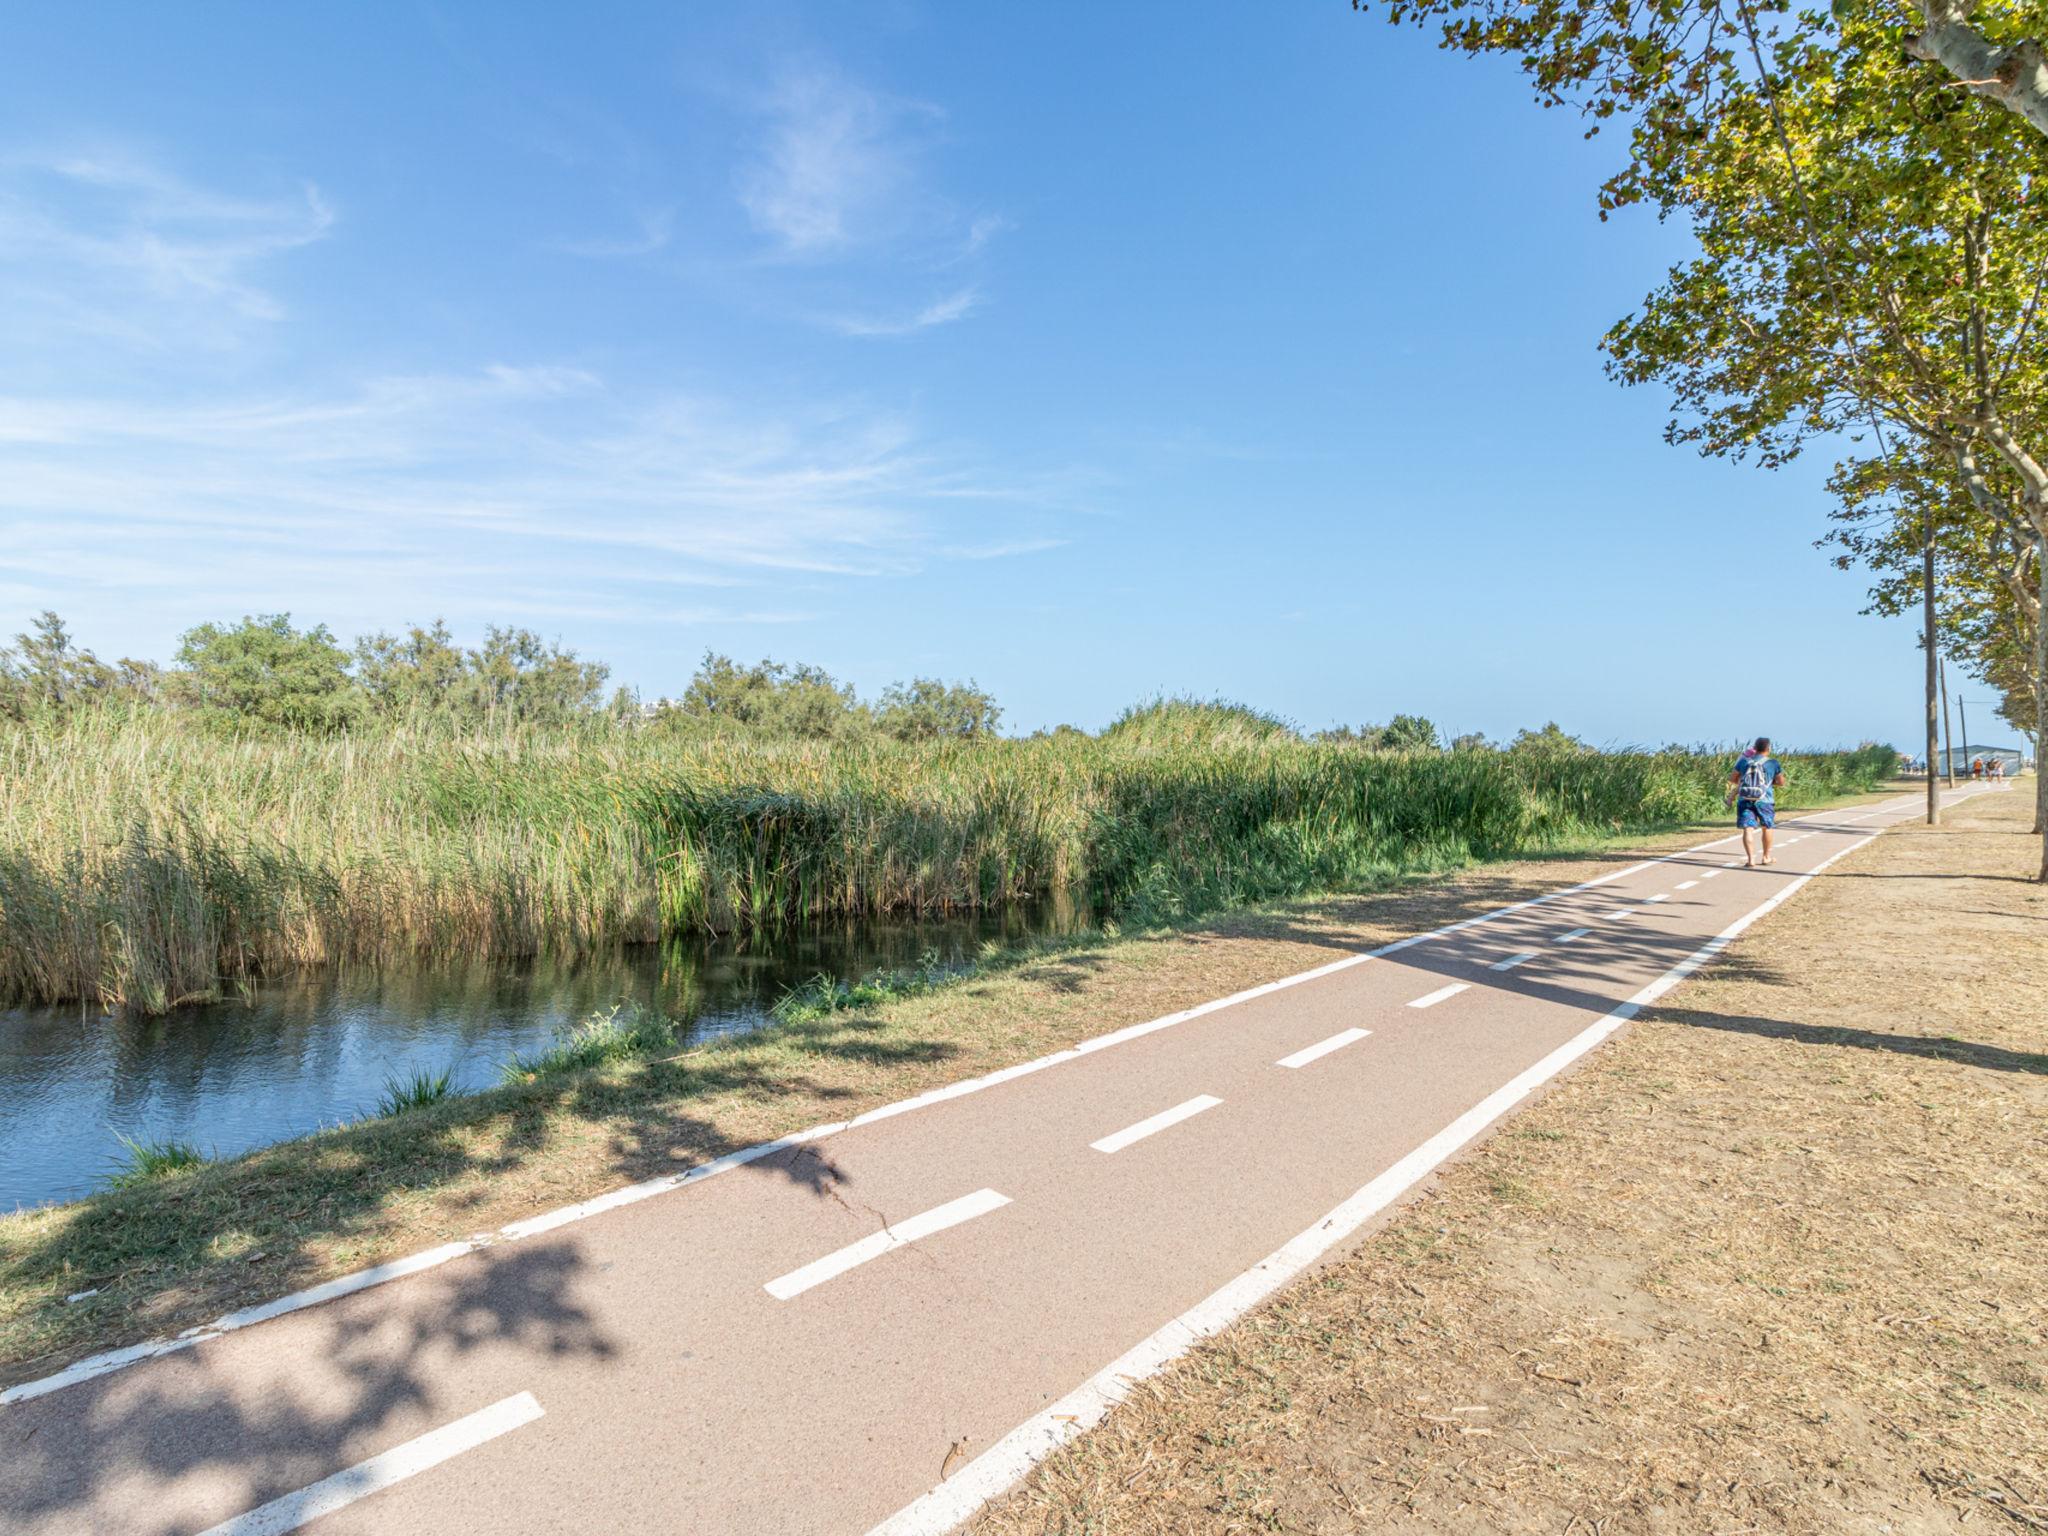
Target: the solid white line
pixel 1336 1042
pixel 951 1214
pixel 1439 995
pixel 1157 1123
pixel 1514 960
pixel 631 1194
pixel 1685 885
pixel 380 1472
pixel 1010 1458
pixel 1569 934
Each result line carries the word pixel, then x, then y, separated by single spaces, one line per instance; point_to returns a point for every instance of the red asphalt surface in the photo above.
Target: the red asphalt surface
pixel 675 1391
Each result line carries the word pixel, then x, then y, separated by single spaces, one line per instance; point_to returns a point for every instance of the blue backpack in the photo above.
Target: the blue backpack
pixel 1756 780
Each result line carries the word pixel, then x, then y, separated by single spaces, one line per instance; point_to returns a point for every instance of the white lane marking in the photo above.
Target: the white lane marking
pixel 951 1214
pixel 1569 934
pixel 1733 864
pixel 1432 999
pixel 1336 1042
pixel 631 1194
pixel 1660 896
pixel 1010 1458
pixel 1685 885
pixel 1620 912
pixel 1157 1123
pixel 1712 874
pixel 1514 960
pixel 380 1472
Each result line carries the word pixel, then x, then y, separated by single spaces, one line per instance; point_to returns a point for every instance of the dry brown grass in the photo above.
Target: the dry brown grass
pixel 1772 1261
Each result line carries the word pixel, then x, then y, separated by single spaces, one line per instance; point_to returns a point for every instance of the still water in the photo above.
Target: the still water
pixel 316 1051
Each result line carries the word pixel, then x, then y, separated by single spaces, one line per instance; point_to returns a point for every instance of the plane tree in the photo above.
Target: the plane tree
pixel 1871 264
pixel 1671 65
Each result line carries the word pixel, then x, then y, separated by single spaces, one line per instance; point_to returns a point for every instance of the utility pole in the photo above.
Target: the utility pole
pixel 1962 708
pixel 1948 730
pixel 1927 640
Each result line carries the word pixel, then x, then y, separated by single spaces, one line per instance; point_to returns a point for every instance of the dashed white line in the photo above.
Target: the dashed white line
pixel 1439 995
pixel 379 1472
pixel 1620 912
pixel 1514 960
pixel 1569 934
pixel 1685 885
pixel 1660 896
pixel 948 1504
pixel 1157 1123
pixel 1336 1042
pixel 1712 874
pixel 951 1214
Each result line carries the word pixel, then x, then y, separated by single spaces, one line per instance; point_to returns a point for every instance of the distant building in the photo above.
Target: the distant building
pixel 1964 756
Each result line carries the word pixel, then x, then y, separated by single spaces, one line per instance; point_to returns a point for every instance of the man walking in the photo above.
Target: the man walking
pixel 1752 789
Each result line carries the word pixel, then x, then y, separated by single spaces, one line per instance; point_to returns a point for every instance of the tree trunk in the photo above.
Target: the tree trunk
pixel 1933 721
pixel 2015 77
pixel 2041 697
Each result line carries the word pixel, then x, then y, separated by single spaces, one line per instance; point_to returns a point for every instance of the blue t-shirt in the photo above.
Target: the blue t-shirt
pixel 1755 778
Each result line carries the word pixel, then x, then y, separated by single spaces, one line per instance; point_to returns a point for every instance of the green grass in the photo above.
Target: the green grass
pixel 146 865
pixel 823 995
pixel 147 1161
pixel 422 1089
pixel 614 1035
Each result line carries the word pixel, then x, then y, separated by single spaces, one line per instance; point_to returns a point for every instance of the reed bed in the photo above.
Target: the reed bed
pixel 145 864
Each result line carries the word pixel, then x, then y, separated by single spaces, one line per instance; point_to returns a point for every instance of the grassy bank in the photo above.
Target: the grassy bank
pixel 617 1104
pixel 1769 1262
pixel 143 864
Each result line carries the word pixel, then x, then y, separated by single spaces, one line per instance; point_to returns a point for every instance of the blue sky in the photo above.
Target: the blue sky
pixel 1088 351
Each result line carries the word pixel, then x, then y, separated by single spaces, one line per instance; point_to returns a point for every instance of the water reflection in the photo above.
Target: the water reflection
pixel 316 1051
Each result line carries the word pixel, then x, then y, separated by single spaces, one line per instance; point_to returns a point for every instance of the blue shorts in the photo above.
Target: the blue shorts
pixel 1750 813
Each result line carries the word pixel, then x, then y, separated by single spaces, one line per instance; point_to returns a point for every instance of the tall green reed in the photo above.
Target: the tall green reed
pixel 147 865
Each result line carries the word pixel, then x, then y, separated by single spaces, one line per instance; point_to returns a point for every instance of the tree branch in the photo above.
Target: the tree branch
pixel 2016 77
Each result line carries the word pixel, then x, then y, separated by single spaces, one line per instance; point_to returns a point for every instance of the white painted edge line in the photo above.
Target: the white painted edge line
pixel 1010 1458
pixel 1685 885
pixel 1514 960
pixel 1159 1122
pixel 1570 934
pixel 380 1472
pixel 937 1219
pixel 532 1226
pixel 1321 1048
pixel 1430 1000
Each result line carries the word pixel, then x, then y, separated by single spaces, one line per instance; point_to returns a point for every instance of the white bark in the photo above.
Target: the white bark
pixel 2015 77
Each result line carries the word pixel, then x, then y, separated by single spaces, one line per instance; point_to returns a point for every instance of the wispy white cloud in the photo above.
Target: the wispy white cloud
pixel 842 179
pixel 833 162
pixel 657 229
pixel 108 244
pixel 452 493
pixel 1002 550
pixel 953 306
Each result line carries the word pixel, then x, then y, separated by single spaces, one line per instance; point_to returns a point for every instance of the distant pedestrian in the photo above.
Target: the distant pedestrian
pixel 1753 784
